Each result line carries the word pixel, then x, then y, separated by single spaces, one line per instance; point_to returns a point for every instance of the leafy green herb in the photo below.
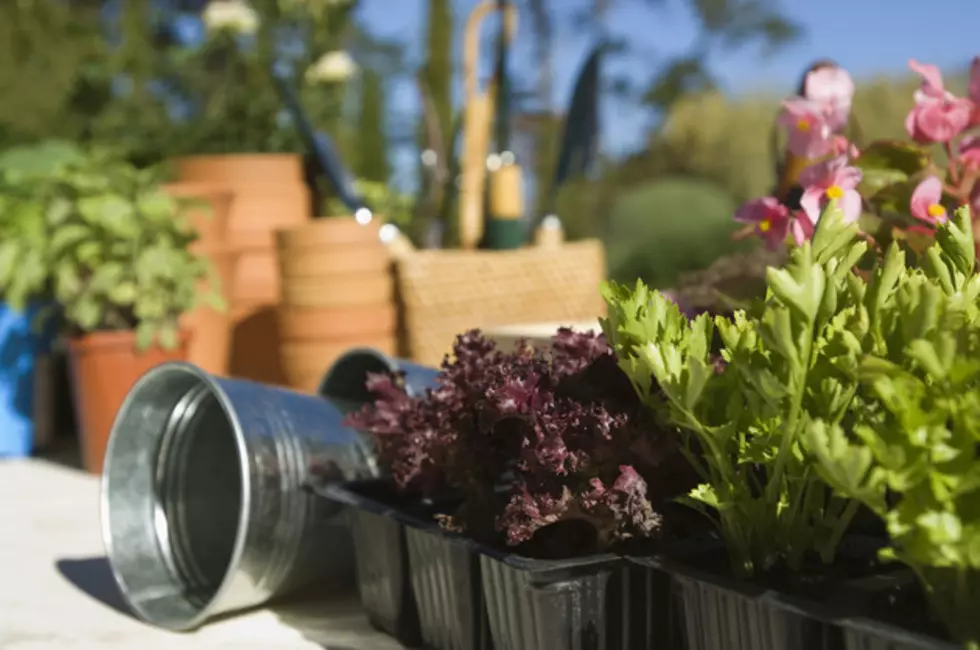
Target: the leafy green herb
pixel 103 240
pixel 797 361
pixel 910 450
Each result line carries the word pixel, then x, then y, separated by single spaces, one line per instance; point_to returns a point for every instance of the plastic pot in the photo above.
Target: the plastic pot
pixel 445 574
pixel 576 604
pixel 381 552
pixel 866 634
pixel 721 613
pixel 901 594
pixel 22 341
pixel 417 582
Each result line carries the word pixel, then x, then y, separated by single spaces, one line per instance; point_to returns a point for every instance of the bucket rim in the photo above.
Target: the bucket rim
pixel 212 386
pixel 390 362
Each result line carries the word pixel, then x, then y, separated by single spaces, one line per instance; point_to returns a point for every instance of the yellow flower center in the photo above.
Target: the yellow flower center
pixel 936 210
pixel 765 225
pixel 835 192
pixel 803 124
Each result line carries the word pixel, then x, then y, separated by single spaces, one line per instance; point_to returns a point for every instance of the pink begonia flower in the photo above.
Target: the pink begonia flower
pixel 969 151
pixel 831 179
pixel 937 116
pixel 832 87
pixel 841 146
pixel 801 228
pixel 770 217
pixel 926 203
pixel 809 131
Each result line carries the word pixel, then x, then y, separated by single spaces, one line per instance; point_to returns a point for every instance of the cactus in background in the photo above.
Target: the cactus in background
pixel 371 162
pixel 671 226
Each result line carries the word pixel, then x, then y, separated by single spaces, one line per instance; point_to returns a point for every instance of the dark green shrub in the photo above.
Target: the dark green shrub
pixel 669 227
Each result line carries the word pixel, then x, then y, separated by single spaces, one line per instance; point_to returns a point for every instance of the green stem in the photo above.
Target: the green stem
pixel 829 550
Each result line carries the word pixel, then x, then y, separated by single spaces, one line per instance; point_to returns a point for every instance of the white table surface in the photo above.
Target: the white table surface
pixel 56 590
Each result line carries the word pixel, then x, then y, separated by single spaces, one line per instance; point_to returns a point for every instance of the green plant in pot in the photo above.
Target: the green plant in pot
pixel 909 451
pixel 115 257
pixel 794 362
pixel 841 391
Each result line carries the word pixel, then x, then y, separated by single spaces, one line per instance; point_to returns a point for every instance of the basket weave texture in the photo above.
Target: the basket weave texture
pixel 446 292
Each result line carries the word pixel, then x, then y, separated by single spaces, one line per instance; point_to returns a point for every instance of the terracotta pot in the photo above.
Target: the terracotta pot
pixel 241 169
pixel 210 346
pixel 255 344
pixel 255 277
pixel 329 323
pixel 104 366
pixel 270 192
pixel 260 210
pixel 331 232
pixel 338 291
pixel 302 262
pixel 305 362
pixel 211 225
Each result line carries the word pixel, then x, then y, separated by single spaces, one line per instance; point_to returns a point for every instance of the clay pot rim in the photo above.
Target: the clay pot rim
pixel 198 189
pixel 207 157
pixel 333 231
pixel 114 339
pixel 210 249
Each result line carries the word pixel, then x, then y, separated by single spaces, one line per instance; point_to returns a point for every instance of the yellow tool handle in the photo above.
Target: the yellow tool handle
pixel 477 119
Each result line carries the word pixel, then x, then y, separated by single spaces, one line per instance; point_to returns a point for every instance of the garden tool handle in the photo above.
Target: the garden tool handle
pixel 478 116
pixel 471 41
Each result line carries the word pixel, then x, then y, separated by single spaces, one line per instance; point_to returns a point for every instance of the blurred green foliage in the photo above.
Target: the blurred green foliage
pixel 49 70
pixel 103 239
pixel 667 227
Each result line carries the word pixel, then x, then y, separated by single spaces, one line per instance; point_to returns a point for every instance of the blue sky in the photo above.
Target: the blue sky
pixel 866 36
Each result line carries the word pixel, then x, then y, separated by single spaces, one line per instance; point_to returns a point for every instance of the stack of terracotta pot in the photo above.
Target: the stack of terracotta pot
pixel 269 192
pixel 210 344
pixel 337 293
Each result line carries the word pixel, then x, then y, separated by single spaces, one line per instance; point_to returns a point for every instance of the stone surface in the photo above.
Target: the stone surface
pixel 56 589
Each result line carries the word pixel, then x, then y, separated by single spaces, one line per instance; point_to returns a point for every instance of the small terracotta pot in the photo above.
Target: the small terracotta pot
pixel 342 291
pixel 104 366
pixel 305 362
pixel 304 263
pixel 330 231
pixel 330 323
pixel 337 293
pixel 210 346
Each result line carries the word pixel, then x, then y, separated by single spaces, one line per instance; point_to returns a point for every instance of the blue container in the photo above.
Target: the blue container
pixel 22 339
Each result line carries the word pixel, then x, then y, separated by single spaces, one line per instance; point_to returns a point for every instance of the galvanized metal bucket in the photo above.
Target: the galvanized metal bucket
pixel 205 506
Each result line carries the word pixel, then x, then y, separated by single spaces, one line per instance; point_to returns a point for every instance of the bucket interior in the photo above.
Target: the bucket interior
pixel 345 384
pixel 173 496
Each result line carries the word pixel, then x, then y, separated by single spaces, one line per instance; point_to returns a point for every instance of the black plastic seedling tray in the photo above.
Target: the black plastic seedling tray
pixel 381 552
pixel 417 582
pixel 575 604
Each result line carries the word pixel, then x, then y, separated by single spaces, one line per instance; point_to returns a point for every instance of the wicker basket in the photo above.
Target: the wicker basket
pixel 446 292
